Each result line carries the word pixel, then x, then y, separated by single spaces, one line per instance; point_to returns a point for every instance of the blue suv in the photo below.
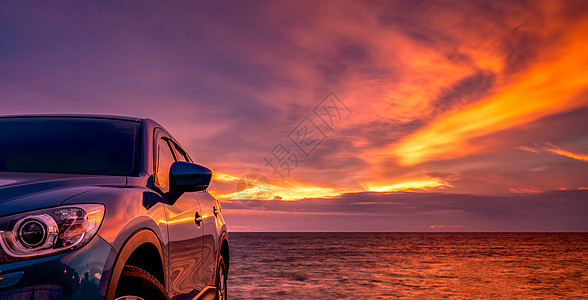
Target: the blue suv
pixel 95 207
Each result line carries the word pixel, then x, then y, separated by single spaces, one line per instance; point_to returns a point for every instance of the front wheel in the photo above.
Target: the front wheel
pixel 221 280
pixel 137 284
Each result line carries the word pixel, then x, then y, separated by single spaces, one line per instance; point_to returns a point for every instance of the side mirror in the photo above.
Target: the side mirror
pixel 188 177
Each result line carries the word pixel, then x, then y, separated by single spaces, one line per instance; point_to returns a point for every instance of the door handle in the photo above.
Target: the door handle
pixel 197 218
pixel 215 211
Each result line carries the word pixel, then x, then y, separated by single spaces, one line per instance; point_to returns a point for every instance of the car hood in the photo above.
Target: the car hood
pixel 29 191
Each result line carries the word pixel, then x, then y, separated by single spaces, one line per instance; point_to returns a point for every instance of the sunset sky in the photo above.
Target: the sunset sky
pixel 389 115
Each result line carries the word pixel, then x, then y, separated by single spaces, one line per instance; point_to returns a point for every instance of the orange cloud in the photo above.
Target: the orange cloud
pixel 559 151
pixel 524 190
pixel 293 190
pixel 244 228
pixel 529 149
pixel 408 185
pixel 222 177
pixel 446 226
pixel 547 88
pixel 262 189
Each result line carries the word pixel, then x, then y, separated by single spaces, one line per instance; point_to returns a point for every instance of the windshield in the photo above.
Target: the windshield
pixel 68 145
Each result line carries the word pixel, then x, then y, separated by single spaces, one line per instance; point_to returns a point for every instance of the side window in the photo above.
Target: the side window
pixel 164 161
pixel 180 154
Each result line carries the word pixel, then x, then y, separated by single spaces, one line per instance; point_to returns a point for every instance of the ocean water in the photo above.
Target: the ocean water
pixel 408 266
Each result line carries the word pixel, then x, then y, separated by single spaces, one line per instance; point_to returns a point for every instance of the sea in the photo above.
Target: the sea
pixel 408 266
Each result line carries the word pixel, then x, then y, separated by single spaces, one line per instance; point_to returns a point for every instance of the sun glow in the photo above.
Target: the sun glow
pixel 291 191
pixel 260 190
pixel 221 177
pixel 415 184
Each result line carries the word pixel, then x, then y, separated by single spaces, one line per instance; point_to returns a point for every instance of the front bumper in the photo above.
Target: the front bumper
pixel 79 274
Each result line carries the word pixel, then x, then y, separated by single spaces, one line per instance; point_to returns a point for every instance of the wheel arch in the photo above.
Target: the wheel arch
pixel 140 246
pixel 224 250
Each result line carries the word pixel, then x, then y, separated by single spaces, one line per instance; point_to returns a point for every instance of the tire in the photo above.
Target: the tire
pixel 221 280
pixel 136 283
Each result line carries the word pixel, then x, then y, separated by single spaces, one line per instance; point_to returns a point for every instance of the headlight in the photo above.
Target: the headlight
pixel 49 230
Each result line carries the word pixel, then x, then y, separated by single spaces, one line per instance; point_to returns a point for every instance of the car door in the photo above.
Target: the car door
pixel 184 224
pixel 211 222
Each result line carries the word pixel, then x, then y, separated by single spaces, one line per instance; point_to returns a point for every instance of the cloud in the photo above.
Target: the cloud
pixel 525 148
pixel 465 91
pixel 446 226
pixel 549 211
pixel 256 186
pixel 549 87
pixel 442 94
pixel 551 148
pixel 409 185
pixel 554 149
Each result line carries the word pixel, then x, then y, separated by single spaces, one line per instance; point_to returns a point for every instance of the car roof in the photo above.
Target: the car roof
pixel 111 117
